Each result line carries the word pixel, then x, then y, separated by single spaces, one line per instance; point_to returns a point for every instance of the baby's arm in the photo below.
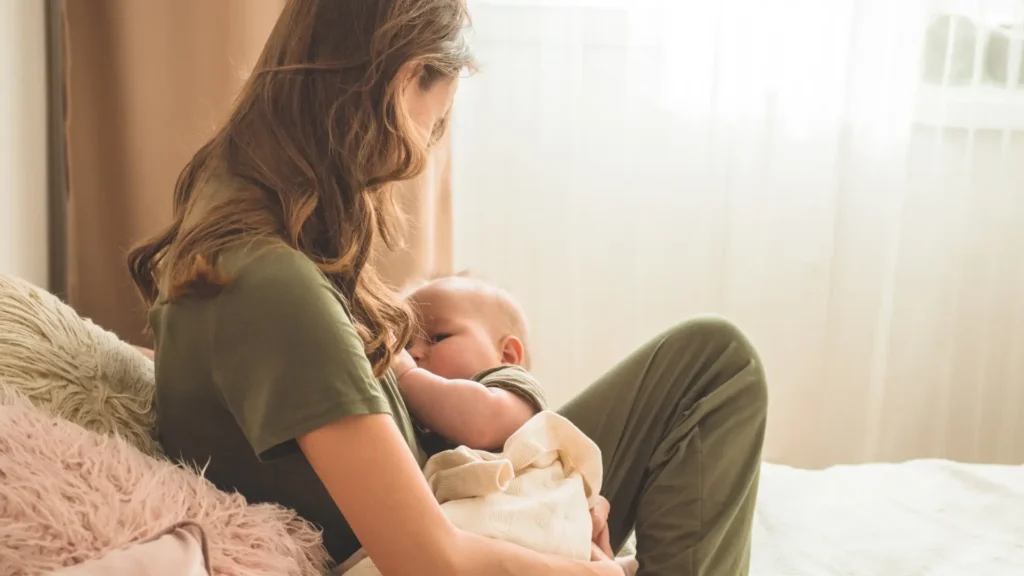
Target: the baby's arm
pixel 463 411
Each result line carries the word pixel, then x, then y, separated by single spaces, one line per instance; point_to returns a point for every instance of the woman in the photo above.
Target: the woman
pixel 275 337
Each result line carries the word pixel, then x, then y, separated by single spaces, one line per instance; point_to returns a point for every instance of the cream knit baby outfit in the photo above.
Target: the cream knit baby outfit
pixel 536 493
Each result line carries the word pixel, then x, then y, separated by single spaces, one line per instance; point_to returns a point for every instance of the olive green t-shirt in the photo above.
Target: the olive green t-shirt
pixel 241 375
pixel 273 356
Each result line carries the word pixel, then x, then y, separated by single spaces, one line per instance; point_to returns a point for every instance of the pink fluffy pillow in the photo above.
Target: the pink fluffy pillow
pixel 68 495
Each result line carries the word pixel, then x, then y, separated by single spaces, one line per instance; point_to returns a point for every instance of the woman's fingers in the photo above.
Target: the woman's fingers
pixel 629 566
pixel 599 516
pixel 598 555
pixel 600 525
pixel 610 564
pixel 603 541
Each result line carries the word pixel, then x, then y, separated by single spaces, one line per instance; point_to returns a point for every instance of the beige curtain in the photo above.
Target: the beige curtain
pixel 147 83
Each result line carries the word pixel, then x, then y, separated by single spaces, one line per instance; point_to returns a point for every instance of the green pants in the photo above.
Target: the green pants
pixel 681 423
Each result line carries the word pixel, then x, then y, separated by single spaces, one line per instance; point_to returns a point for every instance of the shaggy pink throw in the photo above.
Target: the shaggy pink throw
pixel 68 495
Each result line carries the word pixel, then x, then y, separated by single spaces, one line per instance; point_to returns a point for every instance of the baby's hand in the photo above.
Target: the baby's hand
pixel 402 363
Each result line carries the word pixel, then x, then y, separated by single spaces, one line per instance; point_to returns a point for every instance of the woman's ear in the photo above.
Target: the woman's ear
pixel 512 352
pixel 418 112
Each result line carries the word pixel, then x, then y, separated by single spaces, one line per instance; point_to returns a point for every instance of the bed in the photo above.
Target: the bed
pixel 917 518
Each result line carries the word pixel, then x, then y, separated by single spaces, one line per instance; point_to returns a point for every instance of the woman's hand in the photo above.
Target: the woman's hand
pixel 601 549
pixel 624 566
pixel 607 563
pixel 599 518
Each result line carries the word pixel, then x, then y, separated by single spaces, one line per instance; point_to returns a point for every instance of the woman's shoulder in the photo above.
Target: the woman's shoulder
pixel 270 270
pixel 267 275
pixel 268 261
pixel 264 278
pixel 274 297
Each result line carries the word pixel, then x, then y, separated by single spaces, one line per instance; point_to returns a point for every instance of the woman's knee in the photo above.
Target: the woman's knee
pixel 709 329
pixel 725 346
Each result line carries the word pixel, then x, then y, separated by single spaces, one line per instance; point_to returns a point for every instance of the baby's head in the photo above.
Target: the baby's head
pixel 466 326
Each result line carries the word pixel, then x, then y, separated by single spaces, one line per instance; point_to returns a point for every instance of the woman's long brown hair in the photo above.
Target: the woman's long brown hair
pixel 315 141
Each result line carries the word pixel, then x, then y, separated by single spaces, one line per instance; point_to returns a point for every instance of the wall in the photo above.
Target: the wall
pixel 23 176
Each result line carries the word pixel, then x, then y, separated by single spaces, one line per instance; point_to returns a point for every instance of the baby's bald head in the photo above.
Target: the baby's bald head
pixel 479 322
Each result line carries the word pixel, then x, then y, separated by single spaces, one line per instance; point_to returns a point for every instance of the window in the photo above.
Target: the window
pixel 972 73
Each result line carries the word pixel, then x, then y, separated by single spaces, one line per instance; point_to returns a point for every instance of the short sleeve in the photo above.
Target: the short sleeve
pixel 517 380
pixel 286 355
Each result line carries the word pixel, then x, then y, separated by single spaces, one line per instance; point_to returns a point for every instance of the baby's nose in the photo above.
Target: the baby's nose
pixel 418 352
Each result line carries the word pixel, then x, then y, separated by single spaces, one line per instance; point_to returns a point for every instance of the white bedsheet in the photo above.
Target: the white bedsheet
pixel 919 518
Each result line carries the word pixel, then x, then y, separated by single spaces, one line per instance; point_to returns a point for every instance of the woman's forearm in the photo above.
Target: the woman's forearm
pixel 479 555
pixel 367 468
pixel 463 411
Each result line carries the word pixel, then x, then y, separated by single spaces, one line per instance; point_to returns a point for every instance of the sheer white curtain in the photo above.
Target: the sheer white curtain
pixel 842 178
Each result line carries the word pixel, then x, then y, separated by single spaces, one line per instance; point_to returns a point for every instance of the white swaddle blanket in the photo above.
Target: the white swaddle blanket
pixel 536 493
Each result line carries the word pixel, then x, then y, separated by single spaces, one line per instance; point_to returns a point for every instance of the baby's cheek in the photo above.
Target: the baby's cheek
pixel 453 364
pixel 439 363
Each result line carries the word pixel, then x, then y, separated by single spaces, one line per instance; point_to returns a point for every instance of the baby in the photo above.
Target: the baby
pixel 464 375
pixel 465 380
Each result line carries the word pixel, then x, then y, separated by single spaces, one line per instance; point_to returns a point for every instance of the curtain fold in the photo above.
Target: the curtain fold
pixel 147 83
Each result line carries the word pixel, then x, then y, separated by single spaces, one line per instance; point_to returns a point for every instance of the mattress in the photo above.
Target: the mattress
pixel 917 518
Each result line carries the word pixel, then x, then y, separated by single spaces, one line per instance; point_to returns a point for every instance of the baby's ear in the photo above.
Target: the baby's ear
pixel 512 351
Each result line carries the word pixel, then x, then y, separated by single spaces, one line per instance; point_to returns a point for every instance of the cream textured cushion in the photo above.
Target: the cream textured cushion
pixel 72 368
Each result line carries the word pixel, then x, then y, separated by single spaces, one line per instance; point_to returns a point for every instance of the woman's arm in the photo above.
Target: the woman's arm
pixel 463 411
pixel 375 482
